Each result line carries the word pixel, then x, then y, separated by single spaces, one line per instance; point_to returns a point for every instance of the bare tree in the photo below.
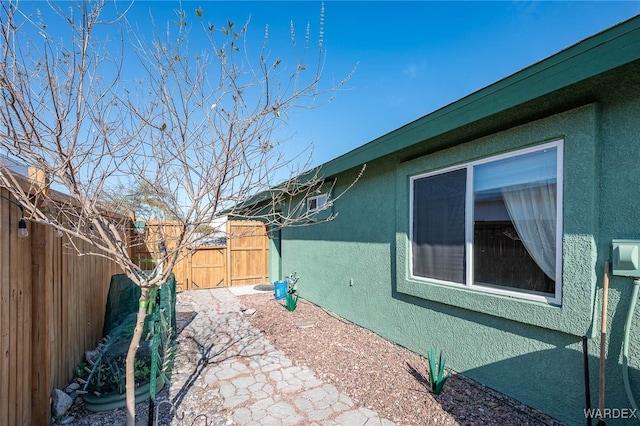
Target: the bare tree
pixel 196 122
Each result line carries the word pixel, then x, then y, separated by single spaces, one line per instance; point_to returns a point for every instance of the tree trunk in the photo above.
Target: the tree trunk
pixel 131 357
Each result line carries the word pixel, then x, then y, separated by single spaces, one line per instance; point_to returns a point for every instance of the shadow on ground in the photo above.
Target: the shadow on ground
pixel 231 337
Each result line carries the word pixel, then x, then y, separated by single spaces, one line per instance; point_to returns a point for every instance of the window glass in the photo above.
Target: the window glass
pixel 316 203
pixel 438 226
pixel 516 170
pixel 507 241
pixel 514 232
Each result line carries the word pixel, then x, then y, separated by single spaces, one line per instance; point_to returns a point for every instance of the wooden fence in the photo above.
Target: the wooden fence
pixel 243 261
pixel 52 306
pixel 52 302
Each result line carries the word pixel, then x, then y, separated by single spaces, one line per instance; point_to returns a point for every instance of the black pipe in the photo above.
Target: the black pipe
pixel 587 386
pixel 152 409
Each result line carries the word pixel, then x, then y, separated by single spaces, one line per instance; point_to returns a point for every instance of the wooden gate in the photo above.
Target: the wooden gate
pixel 204 268
pixel 247 252
pixel 242 261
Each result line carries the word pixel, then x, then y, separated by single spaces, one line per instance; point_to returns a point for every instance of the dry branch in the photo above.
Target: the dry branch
pixel 200 128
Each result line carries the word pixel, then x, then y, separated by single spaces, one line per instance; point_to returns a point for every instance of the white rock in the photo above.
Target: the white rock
pixel 61 402
pixel 73 386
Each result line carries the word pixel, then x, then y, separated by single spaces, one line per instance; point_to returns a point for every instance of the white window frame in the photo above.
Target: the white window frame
pixel 321 201
pixel 469 225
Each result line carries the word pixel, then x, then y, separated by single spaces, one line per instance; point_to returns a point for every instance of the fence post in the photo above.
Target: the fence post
pixel 39 183
pixel 227 257
pixel 41 322
pixel 41 297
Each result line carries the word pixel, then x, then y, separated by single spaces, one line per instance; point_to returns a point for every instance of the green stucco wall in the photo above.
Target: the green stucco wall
pixel 275 260
pixel 356 265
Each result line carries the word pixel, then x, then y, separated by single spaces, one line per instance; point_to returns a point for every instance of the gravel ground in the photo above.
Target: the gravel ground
pixel 373 372
pixel 378 374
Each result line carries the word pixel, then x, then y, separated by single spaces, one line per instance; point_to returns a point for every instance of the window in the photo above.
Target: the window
pixel 493 225
pixel 316 203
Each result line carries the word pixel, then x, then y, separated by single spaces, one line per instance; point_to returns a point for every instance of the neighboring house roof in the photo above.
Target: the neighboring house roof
pixel 594 56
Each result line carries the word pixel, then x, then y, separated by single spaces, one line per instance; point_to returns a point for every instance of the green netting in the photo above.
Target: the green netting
pixel 124 296
pixel 106 370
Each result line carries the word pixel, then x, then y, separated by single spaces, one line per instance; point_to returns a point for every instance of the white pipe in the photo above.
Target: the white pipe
pixel 625 350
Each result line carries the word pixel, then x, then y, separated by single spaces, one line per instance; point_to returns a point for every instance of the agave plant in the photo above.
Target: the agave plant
pixel 292 301
pixel 292 292
pixel 436 378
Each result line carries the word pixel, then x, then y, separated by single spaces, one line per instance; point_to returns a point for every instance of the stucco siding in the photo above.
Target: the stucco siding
pixel 357 264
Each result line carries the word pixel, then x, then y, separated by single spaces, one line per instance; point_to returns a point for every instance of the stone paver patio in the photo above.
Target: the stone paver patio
pixel 259 384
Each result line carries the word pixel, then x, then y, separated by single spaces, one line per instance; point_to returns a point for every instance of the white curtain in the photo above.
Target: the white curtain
pixel 532 209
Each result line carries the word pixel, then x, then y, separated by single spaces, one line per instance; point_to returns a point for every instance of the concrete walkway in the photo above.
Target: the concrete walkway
pixel 259 384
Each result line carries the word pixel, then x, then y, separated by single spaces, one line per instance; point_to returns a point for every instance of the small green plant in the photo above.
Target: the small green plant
pixel 142 370
pixel 81 370
pixel 292 292
pixel 292 302
pixel 436 378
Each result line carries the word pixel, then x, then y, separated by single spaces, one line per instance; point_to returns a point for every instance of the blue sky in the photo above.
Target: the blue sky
pixel 416 57
pixel 413 57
